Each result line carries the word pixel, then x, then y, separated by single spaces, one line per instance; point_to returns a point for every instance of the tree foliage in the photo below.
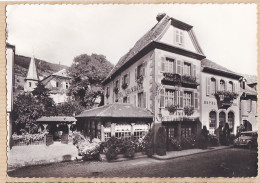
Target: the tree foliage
pixel 87 72
pixel 28 107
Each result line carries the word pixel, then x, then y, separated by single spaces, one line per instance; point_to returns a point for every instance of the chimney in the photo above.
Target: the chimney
pixel 160 16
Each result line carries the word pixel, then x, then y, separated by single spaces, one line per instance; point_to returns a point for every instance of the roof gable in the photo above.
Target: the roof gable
pixel 155 34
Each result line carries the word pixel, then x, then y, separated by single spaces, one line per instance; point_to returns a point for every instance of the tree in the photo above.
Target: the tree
pixel 69 108
pixel 26 111
pixel 42 96
pixel 87 73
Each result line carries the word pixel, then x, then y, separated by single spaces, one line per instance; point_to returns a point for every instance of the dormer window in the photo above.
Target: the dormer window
pixel 179 37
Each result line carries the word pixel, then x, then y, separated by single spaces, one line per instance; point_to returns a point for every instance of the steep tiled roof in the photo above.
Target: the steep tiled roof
pixel 151 35
pixel 56 119
pixel 61 73
pixel 32 73
pixel 206 63
pixel 117 110
pixel 250 78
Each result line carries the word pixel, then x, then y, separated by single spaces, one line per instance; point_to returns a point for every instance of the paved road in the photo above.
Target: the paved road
pixel 223 163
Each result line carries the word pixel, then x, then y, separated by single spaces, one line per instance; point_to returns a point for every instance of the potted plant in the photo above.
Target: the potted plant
pixel 124 86
pixel 188 110
pixel 161 142
pixel 172 108
pixel 116 90
pixel 140 79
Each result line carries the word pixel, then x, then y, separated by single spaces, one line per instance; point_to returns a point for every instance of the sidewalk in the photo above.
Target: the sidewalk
pixel 177 154
pixel 20 156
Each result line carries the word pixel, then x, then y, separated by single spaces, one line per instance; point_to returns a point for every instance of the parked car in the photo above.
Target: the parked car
pixel 246 139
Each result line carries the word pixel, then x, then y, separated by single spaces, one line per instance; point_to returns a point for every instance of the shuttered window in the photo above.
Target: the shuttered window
pixel 181 99
pixel 168 65
pixel 170 97
pixel 187 98
pixel 207 86
pixel 187 69
pixel 179 35
pixel 212 86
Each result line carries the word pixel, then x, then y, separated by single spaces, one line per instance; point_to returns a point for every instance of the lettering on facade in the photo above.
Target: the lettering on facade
pixel 131 90
pixel 210 102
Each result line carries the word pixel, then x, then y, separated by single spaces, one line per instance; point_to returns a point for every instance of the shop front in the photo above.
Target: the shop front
pixel 118 120
pixel 183 128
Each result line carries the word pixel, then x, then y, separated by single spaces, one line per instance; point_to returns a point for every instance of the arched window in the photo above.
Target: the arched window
pixel 231 120
pixel 222 118
pixel 212 119
pixel 222 85
pixel 230 86
pixel 212 85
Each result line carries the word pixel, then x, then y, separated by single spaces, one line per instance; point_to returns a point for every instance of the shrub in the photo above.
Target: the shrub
pixel 28 138
pixel 213 140
pixel 111 154
pixel 161 142
pixel 189 142
pixel 148 143
pixel 89 150
pixel 115 146
pixel 175 145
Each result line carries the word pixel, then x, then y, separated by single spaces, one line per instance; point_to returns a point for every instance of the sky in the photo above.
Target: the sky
pixel 58 33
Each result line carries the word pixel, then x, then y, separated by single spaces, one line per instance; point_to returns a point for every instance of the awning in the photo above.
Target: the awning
pixel 117 110
pixel 58 119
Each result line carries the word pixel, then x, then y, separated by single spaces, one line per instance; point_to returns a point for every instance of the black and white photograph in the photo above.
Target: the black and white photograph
pixel 131 90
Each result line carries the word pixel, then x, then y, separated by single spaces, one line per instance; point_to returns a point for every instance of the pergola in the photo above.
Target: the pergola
pixel 55 121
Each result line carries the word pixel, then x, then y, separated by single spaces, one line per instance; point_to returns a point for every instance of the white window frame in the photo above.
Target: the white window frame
pixel 179 37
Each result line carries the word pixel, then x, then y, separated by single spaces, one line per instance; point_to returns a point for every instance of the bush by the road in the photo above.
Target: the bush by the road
pixel 87 148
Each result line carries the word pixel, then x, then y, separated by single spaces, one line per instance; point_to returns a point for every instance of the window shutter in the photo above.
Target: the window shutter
pixel 196 101
pixel 194 71
pixel 181 99
pixel 182 66
pixel 136 73
pixel 143 70
pixel 192 99
pixel 176 98
pixel 128 99
pixel 217 85
pixel 174 67
pixel 208 86
pixel 144 102
pixel 122 79
pixel 163 62
pixel 179 67
pixel 162 103
pixel 128 78
pixel 226 85
pixel 191 70
pixel 135 100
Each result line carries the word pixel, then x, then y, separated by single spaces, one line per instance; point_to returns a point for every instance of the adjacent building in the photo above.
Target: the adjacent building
pixel 220 93
pixel 10 56
pixel 248 103
pixel 58 83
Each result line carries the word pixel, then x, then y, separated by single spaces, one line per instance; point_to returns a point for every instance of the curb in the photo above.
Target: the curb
pixel 179 156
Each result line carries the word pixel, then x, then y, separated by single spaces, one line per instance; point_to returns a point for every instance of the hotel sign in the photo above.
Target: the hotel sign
pixel 131 90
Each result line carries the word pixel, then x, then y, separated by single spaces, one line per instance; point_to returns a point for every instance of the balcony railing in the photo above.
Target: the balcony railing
pixel 225 98
pixel 176 79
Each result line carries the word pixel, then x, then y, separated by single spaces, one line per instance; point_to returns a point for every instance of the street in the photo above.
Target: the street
pixel 232 162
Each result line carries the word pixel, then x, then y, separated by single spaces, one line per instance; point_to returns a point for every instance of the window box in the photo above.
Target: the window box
pixel 225 98
pixel 188 110
pixel 176 79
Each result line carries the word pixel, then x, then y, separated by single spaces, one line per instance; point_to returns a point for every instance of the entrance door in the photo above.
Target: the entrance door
pixel 170 135
pixel 222 118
